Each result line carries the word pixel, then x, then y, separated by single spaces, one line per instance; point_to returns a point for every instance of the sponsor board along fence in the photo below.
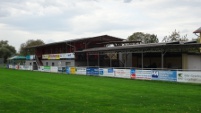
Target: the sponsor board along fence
pixel 162 75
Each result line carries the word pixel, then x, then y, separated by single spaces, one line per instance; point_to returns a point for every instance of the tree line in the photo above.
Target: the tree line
pixel 7 50
pixel 152 38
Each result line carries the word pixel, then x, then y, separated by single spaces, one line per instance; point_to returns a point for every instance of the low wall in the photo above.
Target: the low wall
pixel 161 75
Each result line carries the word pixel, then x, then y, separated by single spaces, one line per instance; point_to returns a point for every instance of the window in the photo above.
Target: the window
pixel 52 63
pixel 46 63
pixel 30 64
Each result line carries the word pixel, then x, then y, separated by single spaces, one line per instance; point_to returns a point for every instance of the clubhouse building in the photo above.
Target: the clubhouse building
pixel 109 51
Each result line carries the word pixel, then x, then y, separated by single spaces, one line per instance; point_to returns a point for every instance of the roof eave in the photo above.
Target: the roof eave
pixel 198 30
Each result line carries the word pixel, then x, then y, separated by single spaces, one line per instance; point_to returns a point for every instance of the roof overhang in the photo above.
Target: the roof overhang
pixel 105 37
pixel 147 47
pixel 17 58
pixel 198 30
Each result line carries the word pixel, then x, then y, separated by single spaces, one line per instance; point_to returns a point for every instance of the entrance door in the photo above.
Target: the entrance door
pixel 35 66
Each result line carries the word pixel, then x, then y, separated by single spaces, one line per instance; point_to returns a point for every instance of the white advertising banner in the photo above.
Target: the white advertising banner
pixel 41 68
pixel 54 56
pixel 45 56
pixel 32 57
pixel 80 71
pixel 51 56
pixel 10 66
pixel 67 55
pixel 106 72
pixel 122 73
pixel 17 66
pixel 143 74
pixel 28 68
pixel 21 67
pixel 189 76
pixel 58 56
pixel 54 69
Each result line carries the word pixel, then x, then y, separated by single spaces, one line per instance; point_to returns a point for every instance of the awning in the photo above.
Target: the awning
pixel 17 58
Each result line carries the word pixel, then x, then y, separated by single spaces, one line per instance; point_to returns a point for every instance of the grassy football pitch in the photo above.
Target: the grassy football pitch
pixel 37 92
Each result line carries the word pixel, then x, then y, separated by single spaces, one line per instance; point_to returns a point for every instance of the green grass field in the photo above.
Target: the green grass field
pixel 36 92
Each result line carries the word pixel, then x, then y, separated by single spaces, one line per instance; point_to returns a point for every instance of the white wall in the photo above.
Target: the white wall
pixel 121 58
pixel 194 62
pixel 59 62
pixel 29 62
pixel 129 60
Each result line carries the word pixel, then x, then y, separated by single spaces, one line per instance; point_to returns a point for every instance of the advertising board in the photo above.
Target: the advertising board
pixel 67 70
pixel 41 68
pixel 67 55
pixel 106 72
pixel 92 71
pixel 28 67
pixel 47 68
pixel 72 70
pixel 133 74
pixel 122 73
pixel 189 76
pixel 58 56
pixel 45 56
pixel 10 67
pixel 54 69
pixel 80 71
pixel 54 56
pixel 143 74
pixel 17 66
pixel 61 69
pixel 21 67
pixel 164 75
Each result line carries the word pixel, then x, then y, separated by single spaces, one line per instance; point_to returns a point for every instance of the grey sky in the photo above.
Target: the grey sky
pixel 58 20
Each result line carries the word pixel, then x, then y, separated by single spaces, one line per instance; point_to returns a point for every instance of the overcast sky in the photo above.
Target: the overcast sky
pixel 59 20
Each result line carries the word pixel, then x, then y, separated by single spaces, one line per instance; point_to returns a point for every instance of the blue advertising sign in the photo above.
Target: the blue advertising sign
pixel 110 70
pixel 164 75
pixel 133 75
pixel 101 72
pixel 67 70
pixel 92 71
pixel 28 57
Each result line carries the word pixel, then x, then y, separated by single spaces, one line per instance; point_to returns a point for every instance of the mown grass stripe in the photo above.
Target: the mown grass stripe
pixel 35 92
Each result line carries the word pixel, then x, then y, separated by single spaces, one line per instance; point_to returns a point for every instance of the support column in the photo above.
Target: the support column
pixel 110 61
pixel 87 59
pixel 126 60
pixel 200 37
pixel 200 41
pixel 142 60
pixel 184 61
pixel 162 60
pixel 98 59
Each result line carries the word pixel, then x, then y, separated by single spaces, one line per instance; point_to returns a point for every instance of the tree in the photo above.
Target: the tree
pixel 151 38
pixel 6 50
pixel 137 36
pixel 29 43
pixel 144 38
pixel 175 36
